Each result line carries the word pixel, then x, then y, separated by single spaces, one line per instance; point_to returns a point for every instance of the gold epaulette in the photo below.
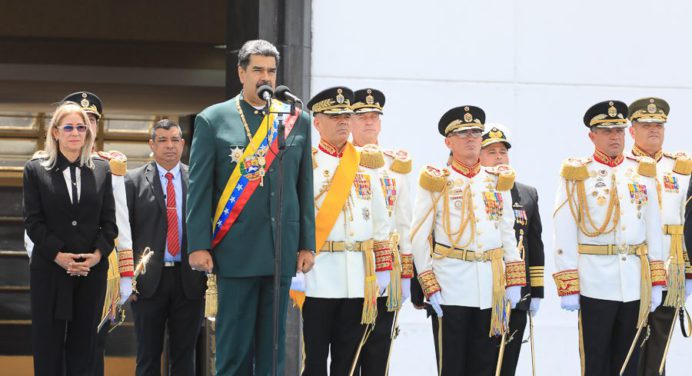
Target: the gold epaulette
pixel 683 162
pixel 39 154
pixel 647 167
pixel 402 163
pixel 575 169
pixel 505 176
pixel 116 160
pixel 433 179
pixel 371 157
pixel 314 161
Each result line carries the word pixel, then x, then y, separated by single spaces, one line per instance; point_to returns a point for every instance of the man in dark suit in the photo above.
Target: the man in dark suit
pixel 527 226
pixel 236 184
pixel 170 293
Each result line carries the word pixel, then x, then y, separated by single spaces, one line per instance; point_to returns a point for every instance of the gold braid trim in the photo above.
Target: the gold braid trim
pixel 406 266
pixel 505 177
pixel 688 266
pixel 371 157
pixel 574 170
pixel 116 160
pixel 567 282
pixel 394 288
pixel 433 179
pixel 515 273
pixel 676 267
pixel 683 166
pixel 576 197
pixel 429 283
pixel 314 161
pixel 498 315
pixel 383 256
pixel 536 276
pixel 647 273
pixel 126 263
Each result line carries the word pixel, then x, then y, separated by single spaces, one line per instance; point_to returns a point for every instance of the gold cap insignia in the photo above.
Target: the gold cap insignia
pixel 84 103
pixel 651 108
pixel 612 111
pixel 339 97
pixel 496 133
pixel 468 117
pixel 370 99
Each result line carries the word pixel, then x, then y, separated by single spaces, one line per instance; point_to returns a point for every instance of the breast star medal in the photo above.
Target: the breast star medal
pixel 236 154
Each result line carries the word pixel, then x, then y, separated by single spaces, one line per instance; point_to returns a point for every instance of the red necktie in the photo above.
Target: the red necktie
pixel 172 235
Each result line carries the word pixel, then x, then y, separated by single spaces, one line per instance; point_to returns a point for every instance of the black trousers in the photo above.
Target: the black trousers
pixel 65 346
pixel 466 347
pixel 100 351
pixel 517 325
pixel 167 308
pixel 375 354
pixel 654 347
pixel 335 324
pixel 607 331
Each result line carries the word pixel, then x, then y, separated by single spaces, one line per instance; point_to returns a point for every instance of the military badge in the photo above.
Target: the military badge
pixel 340 97
pixel 612 111
pixel 468 117
pixel 250 168
pixel 370 99
pixel 638 195
pixel 520 217
pixel 651 108
pixel 670 183
pixel 363 187
pixel 390 192
pixel 236 154
pixel 493 205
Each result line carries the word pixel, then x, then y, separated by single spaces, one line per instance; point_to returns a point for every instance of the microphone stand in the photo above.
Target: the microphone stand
pixel 281 141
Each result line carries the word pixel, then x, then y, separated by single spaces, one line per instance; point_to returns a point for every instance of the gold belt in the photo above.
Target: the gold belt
pixel 334 246
pixel 613 249
pixel 673 229
pixel 466 255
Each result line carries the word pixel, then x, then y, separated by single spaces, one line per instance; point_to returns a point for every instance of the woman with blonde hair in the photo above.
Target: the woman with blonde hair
pixel 69 214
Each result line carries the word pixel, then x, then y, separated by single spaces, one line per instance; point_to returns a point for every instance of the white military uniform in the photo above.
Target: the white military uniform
pixel 364 218
pixel 398 196
pixel 463 283
pixel 608 277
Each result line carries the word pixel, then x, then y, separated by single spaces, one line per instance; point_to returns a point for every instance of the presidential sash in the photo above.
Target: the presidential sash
pixel 337 195
pixel 248 172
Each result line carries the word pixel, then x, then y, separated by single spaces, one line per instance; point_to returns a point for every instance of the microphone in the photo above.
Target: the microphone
pixel 265 92
pixel 283 93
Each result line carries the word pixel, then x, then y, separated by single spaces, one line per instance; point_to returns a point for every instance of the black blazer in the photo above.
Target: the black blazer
pixel 54 224
pixel 148 221
pixel 528 220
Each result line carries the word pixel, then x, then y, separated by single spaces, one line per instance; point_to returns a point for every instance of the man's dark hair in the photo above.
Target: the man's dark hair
pixel 256 47
pixel 164 124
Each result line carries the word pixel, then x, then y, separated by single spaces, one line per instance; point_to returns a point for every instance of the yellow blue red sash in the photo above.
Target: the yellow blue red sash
pixel 246 175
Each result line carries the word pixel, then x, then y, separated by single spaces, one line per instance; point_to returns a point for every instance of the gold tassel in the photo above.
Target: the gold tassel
pixel 211 303
pixel 370 289
pixel 645 289
pixel 394 288
pixel 498 321
pixel 112 287
pixel 676 268
pixel 298 298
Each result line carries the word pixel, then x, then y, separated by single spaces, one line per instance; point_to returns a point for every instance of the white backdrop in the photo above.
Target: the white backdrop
pixel 533 65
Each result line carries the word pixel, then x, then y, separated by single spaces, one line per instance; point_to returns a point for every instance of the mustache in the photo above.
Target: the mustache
pixel 260 83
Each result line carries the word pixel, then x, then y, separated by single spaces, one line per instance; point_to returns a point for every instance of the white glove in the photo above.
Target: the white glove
pixel 298 282
pixel 405 289
pixel 383 280
pixel 534 306
pixel 656 297
pixel 125 289
pixel 513 294
pixel 688 288
pixel 436 302
pixel 570 302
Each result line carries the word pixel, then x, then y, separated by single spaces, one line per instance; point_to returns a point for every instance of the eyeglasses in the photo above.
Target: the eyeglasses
pixel 469 133
pixel 69 128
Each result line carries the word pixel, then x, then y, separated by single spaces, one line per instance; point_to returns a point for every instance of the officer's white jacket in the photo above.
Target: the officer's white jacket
pixel 613 277
pixel 342 274
pixel 463 283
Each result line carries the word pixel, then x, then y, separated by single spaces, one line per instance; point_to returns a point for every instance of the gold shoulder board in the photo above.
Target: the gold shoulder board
pixel 371 157
pixel 647 167
pixel 433 179
pixel 505 177
pixel 402 163
pixel 575 169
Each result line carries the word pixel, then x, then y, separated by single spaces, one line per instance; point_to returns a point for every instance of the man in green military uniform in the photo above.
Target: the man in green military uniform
pixel 234 184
